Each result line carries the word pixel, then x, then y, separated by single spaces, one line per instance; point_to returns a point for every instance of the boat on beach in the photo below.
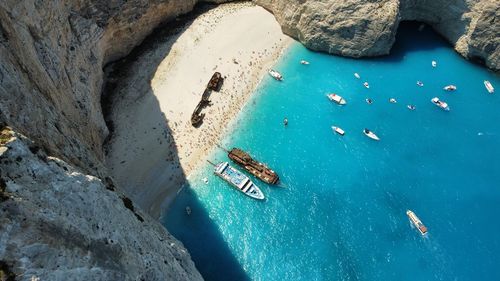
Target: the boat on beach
pixel 215 82
pixel 337 99
pixel 439 103
pixel 276 75
pixel 489 87
pixel 416 222
pixel 256 168
pixel 304 62
pixel 338 130
pixel 370 134
pixel 357 75
pixel 450 88
pixel 366 85
pixel 238 180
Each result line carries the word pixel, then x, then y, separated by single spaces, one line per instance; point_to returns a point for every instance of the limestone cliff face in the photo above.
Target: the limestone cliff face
pixel 368 28
pixel 57 223
pixel 51 59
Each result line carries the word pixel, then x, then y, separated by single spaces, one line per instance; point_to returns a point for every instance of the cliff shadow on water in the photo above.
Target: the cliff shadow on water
pixel 413 36
pixel 128 81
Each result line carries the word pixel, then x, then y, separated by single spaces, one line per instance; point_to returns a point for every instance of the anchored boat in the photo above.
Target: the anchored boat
pixel 238 180
pixel 416 222
pixel 337 99
pixel 489 87
pixel 450 88
pixel 371 134
pixel 304 62
pixel 258 169
pixel 276 75
pixel 366 85
pixel 443 105
pixel 338 130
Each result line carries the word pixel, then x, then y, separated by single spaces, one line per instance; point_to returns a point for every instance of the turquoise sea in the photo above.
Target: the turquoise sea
pixel 340 212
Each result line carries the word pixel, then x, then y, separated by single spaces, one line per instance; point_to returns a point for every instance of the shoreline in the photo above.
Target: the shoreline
pixel 154 148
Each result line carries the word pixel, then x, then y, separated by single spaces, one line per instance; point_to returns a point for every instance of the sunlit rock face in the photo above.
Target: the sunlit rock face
pixel 359 28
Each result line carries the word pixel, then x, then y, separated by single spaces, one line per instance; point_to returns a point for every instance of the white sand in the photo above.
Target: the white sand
pixel 155 147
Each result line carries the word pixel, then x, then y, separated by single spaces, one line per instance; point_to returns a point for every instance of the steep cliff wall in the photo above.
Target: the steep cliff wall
pixel 57 223
pixel 51 59
pixel 368 28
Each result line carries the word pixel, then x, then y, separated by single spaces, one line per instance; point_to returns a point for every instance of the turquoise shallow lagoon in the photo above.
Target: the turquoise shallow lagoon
pixel 340 213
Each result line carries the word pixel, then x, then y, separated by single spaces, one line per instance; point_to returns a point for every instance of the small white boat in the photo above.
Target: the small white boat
pixel 188 210
pixel 337 99
pixel 304 62
pixel 369 101
pixel 416 222
pixel 443 105
pixel 338 130
pixel 370 134
pixel 238 180
pixel 366 85
pixel 393 100
pixel 411 107
pixel 276 75
pixel 489 87
pixel 434 63
pixel 450 88
pixel 357 75
pixel 420 84
pixel 205 180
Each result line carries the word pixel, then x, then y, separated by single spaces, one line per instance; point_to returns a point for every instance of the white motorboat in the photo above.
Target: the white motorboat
pixel 370 134
pixel 276 75
pixel 337 99
pixel 304 62
pixel 393 100
pixel 443 105
pixel 238 180
pixel 489 87
pixel 434 63
pixel 411 107
pixel 450 88
pixel 420 83
pixel 338 130
pixel 366 85
pixel 416 222
pixel 357 75
pixel 369 101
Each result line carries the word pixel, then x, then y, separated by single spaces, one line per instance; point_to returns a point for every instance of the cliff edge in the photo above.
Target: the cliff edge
pixel 358 28
pixel 57 223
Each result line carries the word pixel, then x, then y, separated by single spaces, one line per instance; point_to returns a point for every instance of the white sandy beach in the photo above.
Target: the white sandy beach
pixel 151 159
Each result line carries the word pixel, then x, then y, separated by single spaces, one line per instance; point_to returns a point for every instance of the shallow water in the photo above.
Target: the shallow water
pixel 340 212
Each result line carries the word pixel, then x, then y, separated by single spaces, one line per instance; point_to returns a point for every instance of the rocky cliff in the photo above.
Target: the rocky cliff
pixel 360 28
pixel 57 223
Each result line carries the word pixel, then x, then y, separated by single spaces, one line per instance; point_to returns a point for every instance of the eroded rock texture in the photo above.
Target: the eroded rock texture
pixel 51 59
pixel 360 28
pixel 57 223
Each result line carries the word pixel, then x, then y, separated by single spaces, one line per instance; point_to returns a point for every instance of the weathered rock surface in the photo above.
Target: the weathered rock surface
pixel 359 28
pixel 51 59
pixel 57 223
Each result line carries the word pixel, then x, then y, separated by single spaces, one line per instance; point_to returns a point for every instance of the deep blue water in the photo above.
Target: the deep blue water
pixel 341 212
